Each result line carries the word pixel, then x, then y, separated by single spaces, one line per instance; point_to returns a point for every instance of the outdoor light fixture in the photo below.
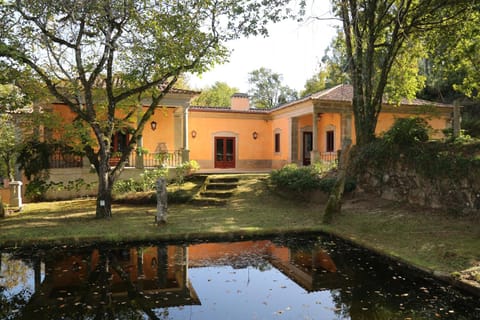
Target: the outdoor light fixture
pixel 153 125
pixel 194 133
pixel 255 135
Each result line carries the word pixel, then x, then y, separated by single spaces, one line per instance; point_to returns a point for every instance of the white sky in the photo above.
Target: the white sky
pixel 293 49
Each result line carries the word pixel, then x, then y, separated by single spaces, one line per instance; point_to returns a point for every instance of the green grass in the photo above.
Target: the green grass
pixel 253 211
pixel 427 239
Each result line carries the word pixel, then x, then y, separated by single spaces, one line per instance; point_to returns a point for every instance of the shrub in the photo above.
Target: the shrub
pixel 185 169
pixel 407 131
pixel 406 144
pixel 148 179
pixel 147 182
pixel 35 190
pixel 302 179
pixel 295 178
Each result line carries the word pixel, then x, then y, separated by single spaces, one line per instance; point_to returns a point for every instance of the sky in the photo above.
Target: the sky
pixel 293 50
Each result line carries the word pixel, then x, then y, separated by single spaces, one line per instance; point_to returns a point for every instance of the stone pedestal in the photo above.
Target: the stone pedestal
pixel 16 194
pixel 161 216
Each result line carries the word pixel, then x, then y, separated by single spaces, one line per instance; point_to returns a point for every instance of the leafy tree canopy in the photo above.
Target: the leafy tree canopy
pixel 8 145
pixel 453 63
pixel 333 68
pixel 101 57
pixel 218 95
pixel 383 46
pixel 266 89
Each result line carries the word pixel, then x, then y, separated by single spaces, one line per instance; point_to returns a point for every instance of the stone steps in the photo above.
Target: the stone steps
pixel 216 191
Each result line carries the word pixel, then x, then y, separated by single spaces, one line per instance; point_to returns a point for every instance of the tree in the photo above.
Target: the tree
pixel 453 61
pixel 378 36
pixel 266 89
pixel 217 95
pixel 101 57
pixel 9 146
pixel 12 100
pixel 333 69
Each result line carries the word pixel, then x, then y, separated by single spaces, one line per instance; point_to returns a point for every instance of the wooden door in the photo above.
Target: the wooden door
pixel 224 152
pixel 307 147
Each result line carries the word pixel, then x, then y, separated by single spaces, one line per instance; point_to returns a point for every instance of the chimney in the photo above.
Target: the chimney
pixel 240 102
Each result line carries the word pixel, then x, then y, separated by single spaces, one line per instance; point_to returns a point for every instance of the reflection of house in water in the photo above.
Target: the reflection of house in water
pixel 310 267
pixel 157 276
pixel 153 277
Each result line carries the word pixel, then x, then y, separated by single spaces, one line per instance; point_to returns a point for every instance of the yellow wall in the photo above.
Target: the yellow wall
pixel 163 136
pixel 280 126
pixel 329 121
pixel 438 123
pixel 249 152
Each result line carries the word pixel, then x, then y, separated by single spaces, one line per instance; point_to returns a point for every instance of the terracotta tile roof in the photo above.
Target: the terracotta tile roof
pixel 340 93
pixel 118 82
pixel 344 92
pixel 183 91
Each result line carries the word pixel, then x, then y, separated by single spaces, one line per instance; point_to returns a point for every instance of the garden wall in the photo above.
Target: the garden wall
pixel 400 182
pixel 89 187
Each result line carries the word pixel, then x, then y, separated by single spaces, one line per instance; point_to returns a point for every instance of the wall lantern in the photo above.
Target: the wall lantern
pixel 254 135
pixel 153 125
pixel 194 133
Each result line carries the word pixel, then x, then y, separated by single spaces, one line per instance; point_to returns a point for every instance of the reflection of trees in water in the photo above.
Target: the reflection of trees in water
pixel 13 275
pixel 132 283
pixel 11 307
pixel 91 298
pixel 13 272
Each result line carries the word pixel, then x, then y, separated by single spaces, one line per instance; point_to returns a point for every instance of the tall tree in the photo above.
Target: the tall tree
pixel 333 68
pixel 9 145
pixel 266 89
pixel 379 34
pixel 218 95
pixel 13 103
pixel 99 56
pixel 453 61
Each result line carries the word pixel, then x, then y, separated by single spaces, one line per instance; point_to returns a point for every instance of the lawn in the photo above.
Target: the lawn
pixel 253 210
pixel 425 238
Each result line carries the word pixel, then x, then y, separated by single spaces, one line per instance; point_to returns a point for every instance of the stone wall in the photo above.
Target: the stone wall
pixel 90 177
pixel 402 183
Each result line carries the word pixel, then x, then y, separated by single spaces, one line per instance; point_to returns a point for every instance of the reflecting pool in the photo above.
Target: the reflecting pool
pixel 289 277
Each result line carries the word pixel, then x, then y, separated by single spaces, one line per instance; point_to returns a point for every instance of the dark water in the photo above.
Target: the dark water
pixel 298 277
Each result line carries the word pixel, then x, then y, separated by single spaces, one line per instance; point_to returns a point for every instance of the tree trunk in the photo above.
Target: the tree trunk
pixel 2 208
pixel 104 194
pixel 365 115
pixel 334 203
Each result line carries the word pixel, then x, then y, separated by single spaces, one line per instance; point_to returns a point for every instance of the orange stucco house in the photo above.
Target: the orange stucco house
pixel 303 131
pixel 244 138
